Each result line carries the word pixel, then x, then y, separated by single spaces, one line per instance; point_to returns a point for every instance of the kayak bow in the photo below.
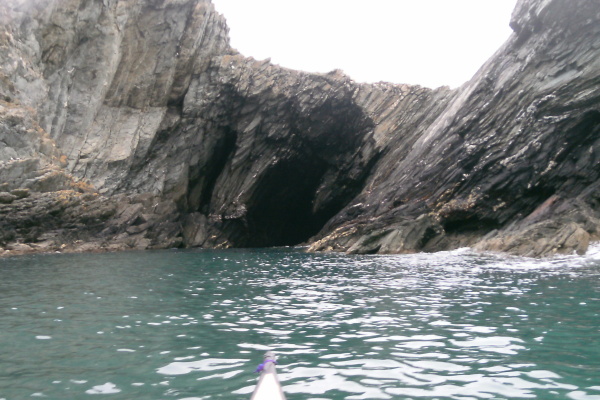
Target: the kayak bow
pixel 268 386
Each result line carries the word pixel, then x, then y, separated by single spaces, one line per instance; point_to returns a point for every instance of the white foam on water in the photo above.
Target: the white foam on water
pixel 209 364
pixel 107 388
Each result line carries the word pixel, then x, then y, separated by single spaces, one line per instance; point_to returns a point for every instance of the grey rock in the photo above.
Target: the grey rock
pixel 7 198
pixel 20 193
pixel 195 229
pixel 19 248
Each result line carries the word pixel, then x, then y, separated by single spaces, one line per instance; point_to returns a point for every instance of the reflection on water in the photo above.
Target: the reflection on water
pixel 194 324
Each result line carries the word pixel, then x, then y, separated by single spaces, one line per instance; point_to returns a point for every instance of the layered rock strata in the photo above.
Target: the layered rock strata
pixel 133 124
pixel 512 162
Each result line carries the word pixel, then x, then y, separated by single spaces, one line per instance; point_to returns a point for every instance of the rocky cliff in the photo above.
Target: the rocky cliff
pixel 134 124
pixel 512 162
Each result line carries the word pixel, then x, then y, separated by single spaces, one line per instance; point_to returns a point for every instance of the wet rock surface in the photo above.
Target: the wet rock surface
pixel 133 125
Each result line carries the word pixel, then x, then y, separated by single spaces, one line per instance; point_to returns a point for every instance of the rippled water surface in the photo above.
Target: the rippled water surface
pixel 194 325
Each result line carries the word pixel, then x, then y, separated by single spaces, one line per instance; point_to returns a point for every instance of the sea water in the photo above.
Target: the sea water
pixel 194 325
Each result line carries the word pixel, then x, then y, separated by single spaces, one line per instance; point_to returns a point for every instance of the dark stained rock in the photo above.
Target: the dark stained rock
pixel 69 221
pixel 135 125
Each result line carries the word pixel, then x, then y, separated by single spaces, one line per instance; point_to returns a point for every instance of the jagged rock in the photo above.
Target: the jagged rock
pixel 403 237
pixel 558 225
pixel 195 229
pixel 135 125
pixel 20 193
pixel 70 221
pixel 542 239
pixel 7 198
pixel 524 129
pixel 19 248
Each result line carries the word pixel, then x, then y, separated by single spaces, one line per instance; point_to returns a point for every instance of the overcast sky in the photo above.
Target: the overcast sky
pixel 426 42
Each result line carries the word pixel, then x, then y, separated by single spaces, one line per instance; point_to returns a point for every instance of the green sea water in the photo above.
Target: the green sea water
pixel 194 325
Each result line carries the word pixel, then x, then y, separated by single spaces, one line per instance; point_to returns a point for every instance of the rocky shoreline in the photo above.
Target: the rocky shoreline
pixel 134 125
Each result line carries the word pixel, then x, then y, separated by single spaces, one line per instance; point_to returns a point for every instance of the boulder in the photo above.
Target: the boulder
pixel 7 198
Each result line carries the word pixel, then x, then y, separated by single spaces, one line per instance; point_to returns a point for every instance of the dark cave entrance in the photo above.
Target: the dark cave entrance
pixel 202 180
pixel 461 223
pixel 281 212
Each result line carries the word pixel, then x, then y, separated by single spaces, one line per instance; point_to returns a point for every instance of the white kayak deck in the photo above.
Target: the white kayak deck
pixel 268 386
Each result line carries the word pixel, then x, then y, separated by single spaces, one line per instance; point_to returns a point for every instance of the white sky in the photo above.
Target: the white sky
pixel 426 42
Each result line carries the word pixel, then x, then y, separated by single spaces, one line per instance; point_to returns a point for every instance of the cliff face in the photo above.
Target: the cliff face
pixel 512 162
pixel 130 124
